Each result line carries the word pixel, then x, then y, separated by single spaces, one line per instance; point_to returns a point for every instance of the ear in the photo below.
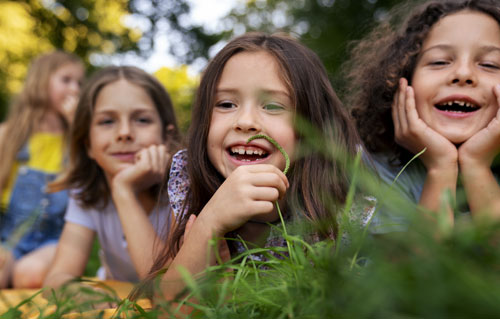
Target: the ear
pixel 169 130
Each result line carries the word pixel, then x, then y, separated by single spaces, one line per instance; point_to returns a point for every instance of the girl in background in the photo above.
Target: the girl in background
pixel 32 152
pixel 434 84
pixel 222 186
pixel 119 151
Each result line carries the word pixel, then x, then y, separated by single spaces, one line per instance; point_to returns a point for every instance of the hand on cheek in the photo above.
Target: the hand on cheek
pixel 149 169
pixel 412 133
pixel 69 107
pixel 483 146
pixel 248 192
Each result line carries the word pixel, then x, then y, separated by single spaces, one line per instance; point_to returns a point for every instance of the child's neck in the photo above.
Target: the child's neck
pixel 51 123
pixel 255 233
pixel 258 232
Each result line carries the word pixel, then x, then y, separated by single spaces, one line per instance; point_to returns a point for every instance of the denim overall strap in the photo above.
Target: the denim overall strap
pixel 34 217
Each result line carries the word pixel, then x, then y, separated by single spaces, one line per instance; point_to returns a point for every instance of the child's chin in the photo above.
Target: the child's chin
pixel 457 138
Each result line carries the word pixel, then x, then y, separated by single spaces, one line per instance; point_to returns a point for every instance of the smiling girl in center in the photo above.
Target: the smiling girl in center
pixel 225 187
pixel 434 84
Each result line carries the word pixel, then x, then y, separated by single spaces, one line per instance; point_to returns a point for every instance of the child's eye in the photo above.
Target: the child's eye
pixel 273 107
pixel 66 79
pixel 144 120
pixel 225 105
pixel 489 65
pixel 105 121
pixel 439 62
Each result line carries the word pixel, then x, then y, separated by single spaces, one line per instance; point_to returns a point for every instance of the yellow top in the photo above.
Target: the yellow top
pixel 46 154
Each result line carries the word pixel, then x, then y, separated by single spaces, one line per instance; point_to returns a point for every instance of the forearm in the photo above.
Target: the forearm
pixel 71 257
pixel 437 183
pixel 195 255
pixel 140 234
pixel 483 192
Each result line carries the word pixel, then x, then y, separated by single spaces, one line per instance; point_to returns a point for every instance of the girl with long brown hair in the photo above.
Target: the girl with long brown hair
pixel 224 186
pixel 119 151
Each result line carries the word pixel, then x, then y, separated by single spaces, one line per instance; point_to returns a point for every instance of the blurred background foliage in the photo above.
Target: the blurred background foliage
pixel 98 29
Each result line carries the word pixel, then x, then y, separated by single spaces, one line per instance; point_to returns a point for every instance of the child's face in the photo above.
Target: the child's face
pixel 251 99
pixel 459 65
pixel 63 83
pixel 125 120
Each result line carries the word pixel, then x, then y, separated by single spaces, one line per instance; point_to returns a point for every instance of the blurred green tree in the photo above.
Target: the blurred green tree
pixel 98 28
pixel 181 87
pixel 325 26
pixel 92 29
pixel 31 27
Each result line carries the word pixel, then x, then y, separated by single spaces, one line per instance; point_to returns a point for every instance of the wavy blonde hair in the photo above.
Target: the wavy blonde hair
pixel 29 107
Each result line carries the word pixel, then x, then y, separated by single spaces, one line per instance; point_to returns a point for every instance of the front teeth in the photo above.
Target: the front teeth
pixel 461 103
pixel 243 151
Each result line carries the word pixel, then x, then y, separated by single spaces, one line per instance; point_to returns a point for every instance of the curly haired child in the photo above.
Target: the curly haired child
pixel 432 83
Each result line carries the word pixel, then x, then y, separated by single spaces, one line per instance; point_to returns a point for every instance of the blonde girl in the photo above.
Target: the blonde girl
pixel 32 152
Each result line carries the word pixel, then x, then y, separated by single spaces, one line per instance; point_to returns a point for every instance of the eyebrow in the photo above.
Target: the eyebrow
pixel 114 111
pixel 446 47
pixel 264 92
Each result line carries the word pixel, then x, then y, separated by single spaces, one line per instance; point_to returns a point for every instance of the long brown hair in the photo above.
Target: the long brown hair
pixel 84 174
pixel 314 179
pixel 387 54
pixel 29 107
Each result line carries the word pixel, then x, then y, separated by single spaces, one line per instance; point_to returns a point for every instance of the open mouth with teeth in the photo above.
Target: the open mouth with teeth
pixel 247 154
pixel 457 107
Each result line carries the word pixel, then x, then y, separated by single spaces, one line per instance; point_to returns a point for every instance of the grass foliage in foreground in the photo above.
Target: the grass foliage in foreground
pixel 428 271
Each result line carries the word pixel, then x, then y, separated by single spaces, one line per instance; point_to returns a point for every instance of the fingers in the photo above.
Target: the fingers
pixel 266 182
pixel 410 107
pixel 69 107
pixel 153 158
pixel 398 108
pixel 265 168
pixel 496 91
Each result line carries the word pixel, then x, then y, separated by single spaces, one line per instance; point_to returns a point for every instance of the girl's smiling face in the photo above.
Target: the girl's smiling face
pixel 124 121
pixel 251 98
pixel 455 74
pixel 65 82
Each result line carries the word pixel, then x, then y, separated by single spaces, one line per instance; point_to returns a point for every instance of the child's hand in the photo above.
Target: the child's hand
pixel 413 134
pixel 248 192
pixel 483 146
pixel 69 107
pixel 149 169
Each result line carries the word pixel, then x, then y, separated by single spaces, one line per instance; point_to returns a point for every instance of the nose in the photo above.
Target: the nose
pixel 247 119
pixel 464 74
pixel 74 87
pixel 125 132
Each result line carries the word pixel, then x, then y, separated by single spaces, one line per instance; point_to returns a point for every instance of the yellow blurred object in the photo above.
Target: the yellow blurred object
pixel 38 305
pixel 49 149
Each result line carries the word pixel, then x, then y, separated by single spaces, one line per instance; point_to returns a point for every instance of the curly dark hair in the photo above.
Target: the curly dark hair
pixel 387 54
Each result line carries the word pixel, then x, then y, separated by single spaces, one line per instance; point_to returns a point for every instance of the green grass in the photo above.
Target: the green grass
pixel 94 263
pixel 410 274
